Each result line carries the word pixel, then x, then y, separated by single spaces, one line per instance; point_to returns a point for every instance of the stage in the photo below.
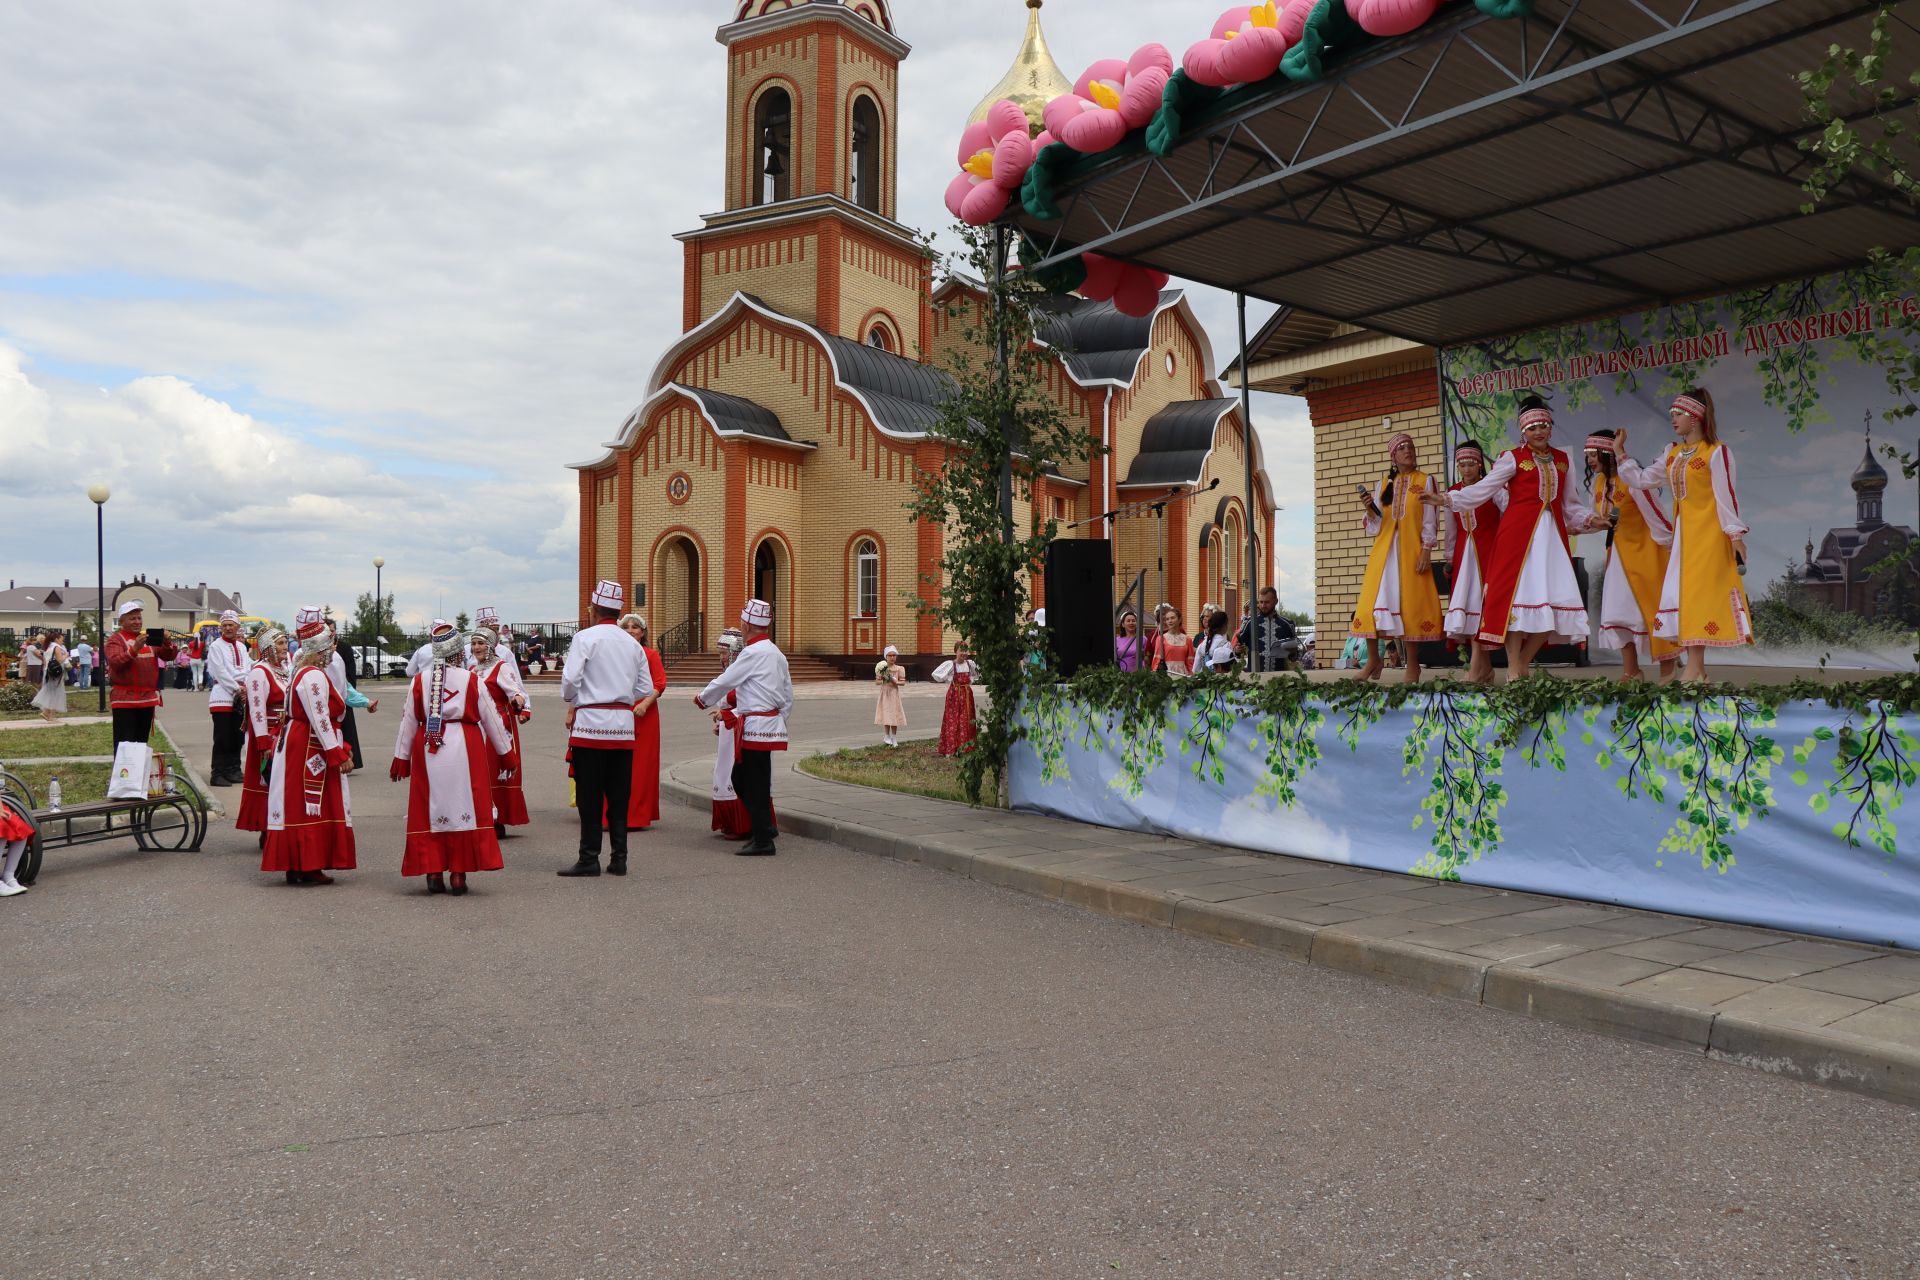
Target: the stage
pixel 1747 807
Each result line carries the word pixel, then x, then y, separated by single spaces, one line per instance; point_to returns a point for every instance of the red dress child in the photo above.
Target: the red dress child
pixel 957 730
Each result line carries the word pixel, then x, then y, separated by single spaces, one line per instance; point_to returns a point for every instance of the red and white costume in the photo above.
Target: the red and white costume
pixel 763 695
pixel 957 730
pixel 1471 536
pixel 227 665
pixel 309 809
pixel 1531 587
pixel 501 680
pixel 452 762
pixel 265 692
pixel 643 801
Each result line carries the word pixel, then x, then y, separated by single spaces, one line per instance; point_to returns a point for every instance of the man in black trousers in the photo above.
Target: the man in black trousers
pixel 605 674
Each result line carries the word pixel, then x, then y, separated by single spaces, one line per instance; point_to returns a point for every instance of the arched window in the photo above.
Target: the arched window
pixel 773 147
pixel 866 578
pixel 877 337
pixel 863 165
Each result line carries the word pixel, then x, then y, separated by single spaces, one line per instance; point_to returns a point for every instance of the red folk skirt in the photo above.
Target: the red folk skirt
pixel 428 851
pixel 956 722
pixel 253 786
pixel 643 803
pixel 509 797
pixel 305 843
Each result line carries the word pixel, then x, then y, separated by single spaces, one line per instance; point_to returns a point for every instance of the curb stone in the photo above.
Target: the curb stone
pixel 1811 1054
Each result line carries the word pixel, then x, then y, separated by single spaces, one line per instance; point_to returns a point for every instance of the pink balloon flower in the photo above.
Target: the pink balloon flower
pixel 1110 100
pixel 995 155
pixel 1247 44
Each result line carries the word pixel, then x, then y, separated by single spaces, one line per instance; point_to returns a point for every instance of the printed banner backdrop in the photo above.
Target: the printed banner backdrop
pixel 1796 386
pixel 1723 811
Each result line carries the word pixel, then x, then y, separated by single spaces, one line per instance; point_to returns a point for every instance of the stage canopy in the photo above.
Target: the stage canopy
pixel 1484 176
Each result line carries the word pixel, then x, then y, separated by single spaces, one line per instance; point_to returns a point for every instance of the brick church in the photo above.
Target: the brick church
pixel 776 443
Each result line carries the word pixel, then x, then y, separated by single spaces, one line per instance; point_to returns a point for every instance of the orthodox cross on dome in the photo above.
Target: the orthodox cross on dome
pixel 1033 80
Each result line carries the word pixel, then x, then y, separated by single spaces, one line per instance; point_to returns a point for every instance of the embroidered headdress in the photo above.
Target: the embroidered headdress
pixel 609 594
pixel 310 628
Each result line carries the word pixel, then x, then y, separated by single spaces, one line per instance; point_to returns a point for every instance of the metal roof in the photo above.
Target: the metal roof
pixel 1489 175
pixel 1175 442
pixel 735 415
pixel 1096 340
pixel 903 395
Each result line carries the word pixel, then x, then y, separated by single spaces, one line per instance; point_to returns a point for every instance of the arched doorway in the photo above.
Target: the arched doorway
pixel 676 593
pixel 772 579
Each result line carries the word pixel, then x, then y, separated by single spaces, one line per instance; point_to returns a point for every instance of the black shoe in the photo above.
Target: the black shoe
pixel 587 866
pixel 434 883
pixel 616 866
pixel 500 831
pixel 220 780
pixel 459 883
pixel 755 849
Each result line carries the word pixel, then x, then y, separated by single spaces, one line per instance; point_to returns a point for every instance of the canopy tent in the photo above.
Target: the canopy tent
pixel 1487 175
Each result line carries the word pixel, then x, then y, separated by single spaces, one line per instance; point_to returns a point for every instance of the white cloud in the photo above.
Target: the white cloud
pixel 363 277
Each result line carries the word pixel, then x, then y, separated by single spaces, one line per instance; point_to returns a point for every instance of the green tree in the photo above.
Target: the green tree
pixel 367 623
pixel 1000 430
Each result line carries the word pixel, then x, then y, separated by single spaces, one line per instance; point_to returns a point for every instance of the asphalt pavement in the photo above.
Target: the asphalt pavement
pixel 830 1064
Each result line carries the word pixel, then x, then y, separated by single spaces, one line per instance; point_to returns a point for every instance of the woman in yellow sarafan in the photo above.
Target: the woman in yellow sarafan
pixel 1397 597
pixel 1639 536
pixel 1703 603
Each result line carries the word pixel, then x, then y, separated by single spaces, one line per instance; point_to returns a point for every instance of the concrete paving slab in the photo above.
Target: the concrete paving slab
pixel 1602 969
pixel 1796 1006
pixel 1694 986
pixel 1668 951
pixel 1759 963
pixel 1728 939
pixel 1884 1023
pixel 1524 950
pixel 1861 980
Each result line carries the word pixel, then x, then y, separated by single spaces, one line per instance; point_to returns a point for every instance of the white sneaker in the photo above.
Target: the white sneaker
pixel 8 888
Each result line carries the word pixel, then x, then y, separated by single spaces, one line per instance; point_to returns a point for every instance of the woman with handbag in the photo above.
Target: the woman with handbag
pixel 52 698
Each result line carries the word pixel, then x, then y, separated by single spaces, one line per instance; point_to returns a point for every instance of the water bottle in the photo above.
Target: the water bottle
pixel 53 792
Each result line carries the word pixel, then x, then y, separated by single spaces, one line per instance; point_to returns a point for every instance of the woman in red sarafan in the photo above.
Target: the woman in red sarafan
pixel 957 730
pixel 309 809
pixel 266 707
pixel 501 679
pixel 643 801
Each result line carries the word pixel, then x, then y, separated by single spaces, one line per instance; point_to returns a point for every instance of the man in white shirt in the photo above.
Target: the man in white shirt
pixel 423 656
pixel 605 674
pixel 227 665
pixel 763 695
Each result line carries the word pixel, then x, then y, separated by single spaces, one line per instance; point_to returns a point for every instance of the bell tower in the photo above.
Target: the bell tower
pixel 811 168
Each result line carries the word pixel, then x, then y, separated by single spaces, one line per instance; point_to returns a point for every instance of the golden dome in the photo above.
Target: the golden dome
pixel 1033 80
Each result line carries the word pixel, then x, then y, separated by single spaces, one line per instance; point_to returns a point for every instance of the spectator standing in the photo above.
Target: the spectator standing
pixel 182 671
pixel 1266 634
pixel 133 665
pixel 52 698
pixel 197 661
pixel 1129 649
pixel 888 712
pixel 83 664
pixel 1176 646
pixel 33 661
pixel 1216 650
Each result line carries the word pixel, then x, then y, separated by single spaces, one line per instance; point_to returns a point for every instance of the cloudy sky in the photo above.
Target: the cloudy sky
pixel 310 284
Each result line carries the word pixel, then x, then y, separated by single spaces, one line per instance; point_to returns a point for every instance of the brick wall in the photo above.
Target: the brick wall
pixel 1349 448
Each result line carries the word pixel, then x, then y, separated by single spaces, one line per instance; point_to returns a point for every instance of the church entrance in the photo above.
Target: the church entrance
pixel 676 619
pixel 766 581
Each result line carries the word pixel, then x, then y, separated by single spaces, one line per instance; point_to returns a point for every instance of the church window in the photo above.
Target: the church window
pixel 773 147
pixel 866 578
pixel 877 337
pixel 863 165
pixel 1172 364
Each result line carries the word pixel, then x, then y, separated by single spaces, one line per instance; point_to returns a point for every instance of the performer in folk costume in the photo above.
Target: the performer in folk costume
pixel 1703 604
pixel 605 674
pixel 757 717
pixel 1471 535
pixel 500 677
pixel 422 657
pixel 265 694
pixel 227 663
pixel 730 818
pixel 1638 536
pixel 309 808
pixel 643 800
pixel 451 748
pixel 15 832
pixel 888 712
pixel 1397 595
pixel 342 677
pixel 487 618
pixel 1532 594
pixel 958 673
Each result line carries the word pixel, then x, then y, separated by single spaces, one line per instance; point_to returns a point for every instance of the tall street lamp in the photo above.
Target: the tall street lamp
pixel 379 637
pixel 99 493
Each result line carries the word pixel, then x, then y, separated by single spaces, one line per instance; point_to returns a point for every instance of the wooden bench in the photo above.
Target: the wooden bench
pixel 170 823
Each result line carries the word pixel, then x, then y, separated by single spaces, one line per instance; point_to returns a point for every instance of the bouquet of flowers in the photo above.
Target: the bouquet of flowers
pixel 882 671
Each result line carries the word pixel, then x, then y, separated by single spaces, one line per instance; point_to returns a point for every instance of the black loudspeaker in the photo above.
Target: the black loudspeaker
pixel 1079 588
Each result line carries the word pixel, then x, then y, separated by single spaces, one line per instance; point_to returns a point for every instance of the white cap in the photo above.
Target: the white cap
pixel 486 616
pixel 890 649
pixel 758 613
pixel 307 613
pixel 127 607
pixel 1039 617
pixel 609 595
pixel 228 615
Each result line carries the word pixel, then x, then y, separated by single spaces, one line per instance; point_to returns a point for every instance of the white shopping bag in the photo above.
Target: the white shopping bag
pixel 131 763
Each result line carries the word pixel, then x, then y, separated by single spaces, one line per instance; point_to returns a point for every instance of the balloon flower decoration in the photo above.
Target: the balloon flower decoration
pixel 1247 43
pixel 1134 291
pixel 1386 17
pixel 995 155
pixel 1112 99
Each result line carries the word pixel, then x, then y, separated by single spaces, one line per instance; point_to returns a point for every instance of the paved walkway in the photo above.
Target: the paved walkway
pixel 1835 1013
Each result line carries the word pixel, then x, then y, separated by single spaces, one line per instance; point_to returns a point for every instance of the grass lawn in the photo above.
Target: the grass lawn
pixel 79 783
pixel 916 768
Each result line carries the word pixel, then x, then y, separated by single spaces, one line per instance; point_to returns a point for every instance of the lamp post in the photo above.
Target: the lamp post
pixel 379 637
pixel 99 493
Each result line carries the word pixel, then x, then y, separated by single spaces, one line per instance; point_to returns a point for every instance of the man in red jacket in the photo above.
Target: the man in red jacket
pixel 133 666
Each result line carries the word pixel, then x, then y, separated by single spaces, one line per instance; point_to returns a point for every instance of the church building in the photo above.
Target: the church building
pixel 775 444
